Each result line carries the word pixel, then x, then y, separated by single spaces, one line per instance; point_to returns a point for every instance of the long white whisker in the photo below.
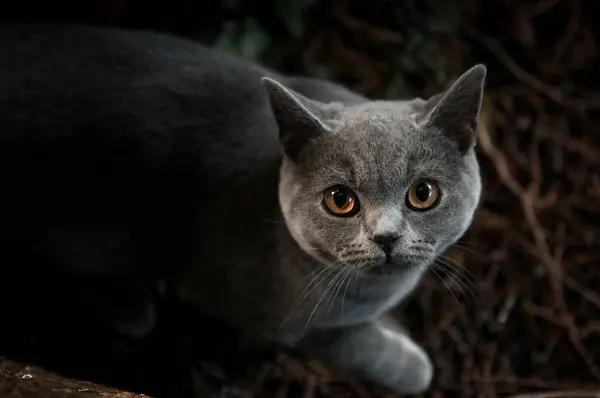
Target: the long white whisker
pixel 356 283
pixel 323 295
pixel 471 242
pixel 336 290
pixel 459 283
pixel 480 256
pixel 460 266
pixel 315 282
pixel 468 249
pixel 433 269
pixel 346 291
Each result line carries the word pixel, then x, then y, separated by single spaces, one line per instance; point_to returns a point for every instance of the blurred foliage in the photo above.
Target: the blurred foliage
pixel 247 39
pixel 260 30
pixel 423 21
pixel 291 13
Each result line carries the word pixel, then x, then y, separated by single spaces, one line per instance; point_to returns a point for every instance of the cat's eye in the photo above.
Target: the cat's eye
pixel 341 201
pixel 422 195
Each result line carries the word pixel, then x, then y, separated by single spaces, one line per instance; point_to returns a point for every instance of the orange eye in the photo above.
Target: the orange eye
pixel 422 195
pixel 340 201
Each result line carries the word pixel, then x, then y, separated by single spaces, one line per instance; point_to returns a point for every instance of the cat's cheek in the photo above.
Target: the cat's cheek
pixel 305 226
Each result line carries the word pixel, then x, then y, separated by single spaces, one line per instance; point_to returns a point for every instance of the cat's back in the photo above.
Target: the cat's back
pixel 60 78
pixel 113 58
pixel 86 95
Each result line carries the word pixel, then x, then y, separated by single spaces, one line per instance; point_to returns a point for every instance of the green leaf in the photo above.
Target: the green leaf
pixel 247 40
pixel 292 13
pixel 254 41
pixel 316 69
pixel 227 40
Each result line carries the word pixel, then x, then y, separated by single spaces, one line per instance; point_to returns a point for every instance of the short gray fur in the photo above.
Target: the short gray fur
pixel 140 156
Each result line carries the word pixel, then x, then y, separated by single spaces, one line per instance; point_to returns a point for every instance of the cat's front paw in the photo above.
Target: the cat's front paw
pixel 417 372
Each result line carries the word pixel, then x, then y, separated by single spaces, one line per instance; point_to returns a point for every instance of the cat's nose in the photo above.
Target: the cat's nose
pixel 386 240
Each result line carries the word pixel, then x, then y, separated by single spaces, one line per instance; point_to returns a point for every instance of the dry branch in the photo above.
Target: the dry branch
pixel 22 381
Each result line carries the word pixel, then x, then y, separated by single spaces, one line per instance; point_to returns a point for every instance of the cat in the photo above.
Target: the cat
pixel 290 206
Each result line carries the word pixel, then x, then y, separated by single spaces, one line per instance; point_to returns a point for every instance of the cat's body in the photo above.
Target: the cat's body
pixel 142 157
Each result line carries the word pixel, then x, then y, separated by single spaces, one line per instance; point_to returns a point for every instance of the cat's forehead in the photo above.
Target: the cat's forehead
pixel 378 146
pixel 377 115
pixel 384 131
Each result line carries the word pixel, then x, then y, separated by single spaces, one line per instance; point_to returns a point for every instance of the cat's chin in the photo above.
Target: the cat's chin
pixel 386 267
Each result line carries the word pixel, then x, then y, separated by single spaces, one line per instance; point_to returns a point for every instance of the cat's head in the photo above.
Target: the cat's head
pixel 379 183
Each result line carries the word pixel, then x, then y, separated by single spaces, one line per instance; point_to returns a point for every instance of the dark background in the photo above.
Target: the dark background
pixel 517 308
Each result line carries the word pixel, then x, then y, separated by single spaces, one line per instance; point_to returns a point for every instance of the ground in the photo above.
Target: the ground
pixel 515 309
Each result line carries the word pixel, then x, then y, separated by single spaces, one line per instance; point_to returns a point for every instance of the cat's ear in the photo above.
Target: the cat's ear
pixel 299 118
pixel 432 102
pixel 456 112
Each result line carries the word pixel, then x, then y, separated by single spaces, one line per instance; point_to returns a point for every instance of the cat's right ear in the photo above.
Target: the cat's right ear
pixel 455 112
pixel 298 117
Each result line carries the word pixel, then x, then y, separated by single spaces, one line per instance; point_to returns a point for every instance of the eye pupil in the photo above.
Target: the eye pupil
pixel 341 201
pixel 340 198
pixel 422 192
pixel 422 195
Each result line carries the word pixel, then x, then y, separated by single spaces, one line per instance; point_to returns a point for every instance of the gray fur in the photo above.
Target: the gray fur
pixel 135 154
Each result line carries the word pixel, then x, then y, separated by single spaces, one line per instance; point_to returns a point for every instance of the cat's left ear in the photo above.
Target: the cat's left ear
pixel 455 113
pixel 299 118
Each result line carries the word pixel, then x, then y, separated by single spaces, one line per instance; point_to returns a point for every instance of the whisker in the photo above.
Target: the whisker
pixel 323 295
pixel 335 266
pixel 356 278
pixel 468 249
pixel 470 275
pixel 481 257
pixel 433 269
pixel 472 242
pixel 459 283
pixel 318 269
pixel 335 291
pixel 348 280
pixel 315 282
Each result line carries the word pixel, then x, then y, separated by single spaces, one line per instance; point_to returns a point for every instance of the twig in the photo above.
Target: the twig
pixel 525 77
pixel 560 394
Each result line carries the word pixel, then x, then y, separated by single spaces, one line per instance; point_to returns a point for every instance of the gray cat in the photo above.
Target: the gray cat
pixel 290 206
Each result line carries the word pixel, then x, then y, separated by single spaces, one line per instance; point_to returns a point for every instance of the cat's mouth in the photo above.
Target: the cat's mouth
pixel 384 266
pixel 387 265
pixel 384 269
